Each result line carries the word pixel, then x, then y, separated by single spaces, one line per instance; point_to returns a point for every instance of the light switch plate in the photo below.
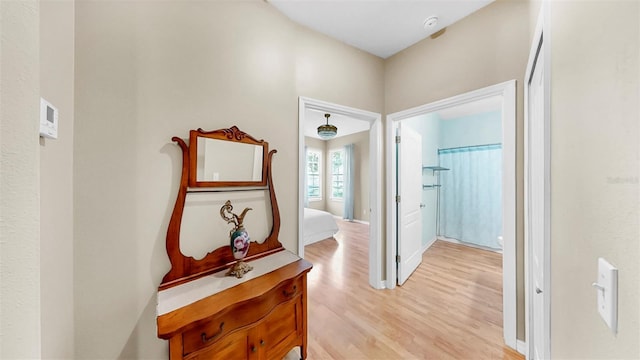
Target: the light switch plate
pixel 608 293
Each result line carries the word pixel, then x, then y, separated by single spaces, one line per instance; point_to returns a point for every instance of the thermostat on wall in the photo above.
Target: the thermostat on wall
pixel 48 119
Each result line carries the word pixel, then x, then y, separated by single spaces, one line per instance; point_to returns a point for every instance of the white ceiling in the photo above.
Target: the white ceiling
pixel 380 27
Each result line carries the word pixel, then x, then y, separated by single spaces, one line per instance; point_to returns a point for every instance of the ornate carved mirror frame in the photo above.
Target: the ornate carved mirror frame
pixel 186 268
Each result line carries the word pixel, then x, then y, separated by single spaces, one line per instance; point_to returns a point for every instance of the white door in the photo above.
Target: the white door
pixel 410 191
pixel 537 192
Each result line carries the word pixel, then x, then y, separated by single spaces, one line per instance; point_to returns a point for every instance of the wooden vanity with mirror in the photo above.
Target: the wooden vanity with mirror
pixel 205 314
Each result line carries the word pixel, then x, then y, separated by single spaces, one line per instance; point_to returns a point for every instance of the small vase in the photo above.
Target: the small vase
pixel 239 243
pixel 238 239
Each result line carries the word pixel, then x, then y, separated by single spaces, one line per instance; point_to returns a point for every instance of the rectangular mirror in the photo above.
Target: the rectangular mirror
pixel 226 157
pixel 219 160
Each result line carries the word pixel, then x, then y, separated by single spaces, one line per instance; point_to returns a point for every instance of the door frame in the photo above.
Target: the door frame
pixel 375 178
pixel 507 90
pixel 541 40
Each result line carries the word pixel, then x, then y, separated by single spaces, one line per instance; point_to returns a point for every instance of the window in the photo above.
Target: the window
pixel 314 174
pixel 337 174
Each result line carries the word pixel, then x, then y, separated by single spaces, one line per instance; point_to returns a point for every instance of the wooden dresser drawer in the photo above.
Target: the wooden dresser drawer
pixel 239 315
pixel 231 347
pixel 215 329
pixel 282 328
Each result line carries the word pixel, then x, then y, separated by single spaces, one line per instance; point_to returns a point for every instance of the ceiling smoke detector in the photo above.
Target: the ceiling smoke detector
pixel 430 22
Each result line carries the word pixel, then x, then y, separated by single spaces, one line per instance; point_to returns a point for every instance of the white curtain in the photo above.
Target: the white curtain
pixel 349 171
pixel 471 194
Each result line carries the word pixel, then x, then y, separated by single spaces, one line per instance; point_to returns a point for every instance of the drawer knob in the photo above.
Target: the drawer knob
pixel 261 342
pixel 289 294
pixel 253 348
pixel 206 339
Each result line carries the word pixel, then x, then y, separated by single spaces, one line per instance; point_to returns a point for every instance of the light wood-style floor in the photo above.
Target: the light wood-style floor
pixel 450 308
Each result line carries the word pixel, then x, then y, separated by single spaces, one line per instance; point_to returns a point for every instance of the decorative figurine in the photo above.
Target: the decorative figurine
pixel 239 240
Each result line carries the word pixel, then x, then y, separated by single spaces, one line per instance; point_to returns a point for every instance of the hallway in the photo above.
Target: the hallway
pixel 450 308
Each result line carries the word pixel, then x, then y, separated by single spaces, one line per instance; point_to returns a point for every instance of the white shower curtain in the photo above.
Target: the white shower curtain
pixel 471 194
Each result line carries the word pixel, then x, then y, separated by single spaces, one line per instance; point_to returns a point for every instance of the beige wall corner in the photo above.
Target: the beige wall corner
pixel 19 181
pixel 332 71
pixel 488 47
pixel 594 174
pixel 56 181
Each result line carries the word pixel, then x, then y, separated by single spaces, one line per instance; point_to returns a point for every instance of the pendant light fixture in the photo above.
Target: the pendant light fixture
pixel 327 131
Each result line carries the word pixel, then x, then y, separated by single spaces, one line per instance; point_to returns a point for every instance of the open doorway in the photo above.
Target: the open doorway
pixel 506 93
pixel 369 203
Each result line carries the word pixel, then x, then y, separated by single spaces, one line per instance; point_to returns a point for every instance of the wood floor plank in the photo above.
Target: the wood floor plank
pixel 450 308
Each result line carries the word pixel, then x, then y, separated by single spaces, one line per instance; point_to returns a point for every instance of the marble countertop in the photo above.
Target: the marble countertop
pixel 182 295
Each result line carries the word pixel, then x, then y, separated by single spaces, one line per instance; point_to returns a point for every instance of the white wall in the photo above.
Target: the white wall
pixel 477 129
pixel 594 174
pixel 20 329
pixel 56 181
pixel 147 71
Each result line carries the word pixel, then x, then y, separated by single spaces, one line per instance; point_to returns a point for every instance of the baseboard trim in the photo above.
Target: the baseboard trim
pixel 381 285
pixel 456 241
pixel 521 347
pixel 354 220
pixel 428 245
